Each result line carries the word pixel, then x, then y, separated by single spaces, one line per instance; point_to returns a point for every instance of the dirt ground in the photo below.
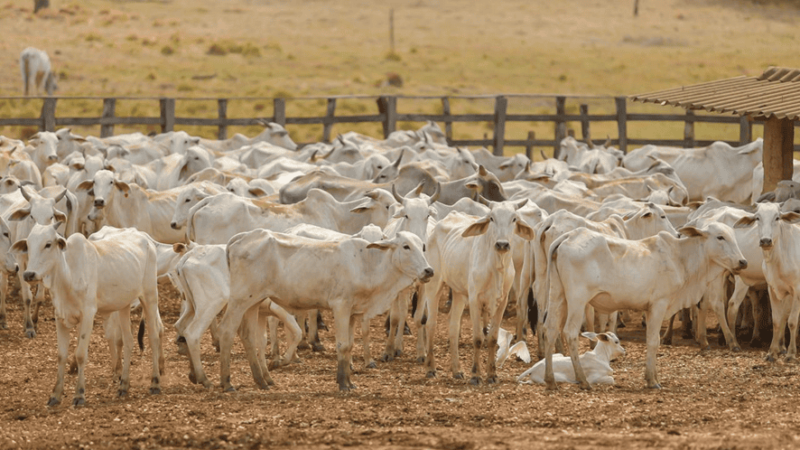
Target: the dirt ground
pixel 711 399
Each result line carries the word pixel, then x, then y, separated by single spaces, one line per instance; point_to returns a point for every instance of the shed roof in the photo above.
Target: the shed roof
pixel 776 93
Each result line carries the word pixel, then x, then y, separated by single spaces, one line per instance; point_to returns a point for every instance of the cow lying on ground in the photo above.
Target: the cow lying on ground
pixel 596 363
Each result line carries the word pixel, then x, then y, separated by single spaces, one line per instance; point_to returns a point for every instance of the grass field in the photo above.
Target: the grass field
pixel 306 48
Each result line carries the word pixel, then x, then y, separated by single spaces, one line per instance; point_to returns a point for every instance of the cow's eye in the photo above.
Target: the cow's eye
pixel 720 238
pixel 5 234
pixel 187 200
pixel 47 245
pixel 407 247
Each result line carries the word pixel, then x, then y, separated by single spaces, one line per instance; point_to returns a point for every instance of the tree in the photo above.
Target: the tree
pixel 40 4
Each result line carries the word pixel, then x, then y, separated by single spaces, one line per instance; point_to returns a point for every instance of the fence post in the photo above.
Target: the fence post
pixel 745 130
pixel 622 123
pixel 560 124
pixel 688 130
pixel 586 133
pixel 279 106
pixel 387 105
pixel 222 113
pixel 500 107
pixel 529 145
pixel 448 125
pixel 327 123
pixel 167 114
pixel 109 106
pixel 48 114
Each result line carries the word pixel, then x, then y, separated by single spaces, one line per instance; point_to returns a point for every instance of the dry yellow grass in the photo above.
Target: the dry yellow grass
pixel 316 48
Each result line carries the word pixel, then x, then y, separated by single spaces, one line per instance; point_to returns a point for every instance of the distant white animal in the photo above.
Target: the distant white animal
pixel 35 67
pixel 595 363
pixel 505 349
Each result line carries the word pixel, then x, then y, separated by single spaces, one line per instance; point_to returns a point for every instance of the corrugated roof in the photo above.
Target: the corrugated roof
pixel 776 93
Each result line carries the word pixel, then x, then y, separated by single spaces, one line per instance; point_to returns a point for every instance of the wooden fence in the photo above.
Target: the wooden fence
pixel 388 116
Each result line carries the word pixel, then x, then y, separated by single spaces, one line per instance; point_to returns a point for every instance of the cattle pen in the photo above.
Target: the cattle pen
pixel 559 115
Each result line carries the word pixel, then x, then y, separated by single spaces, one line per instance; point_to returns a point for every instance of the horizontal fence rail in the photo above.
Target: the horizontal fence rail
pixel 388 116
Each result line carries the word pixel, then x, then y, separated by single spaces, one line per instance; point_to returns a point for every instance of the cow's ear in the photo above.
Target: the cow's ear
pixel 86 185
pixel 524 231
pixel 690 231
pixel 257 191
pixel 477 228
pixel 60 216
pixel 362 209
pixel 20 246
pixel 744 222
pixel 20 214
pixel 590 335
pixel 62 243
pixel 381 245
pixel 603 337
pixel 179 247
pixel 122 186
pixel 474 185
pixel 790 217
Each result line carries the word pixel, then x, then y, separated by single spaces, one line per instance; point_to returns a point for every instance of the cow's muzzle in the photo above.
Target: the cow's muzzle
pixel 765 243
pixel 502 246
pixel 174 225
pixel 741 266
pixel 29 276
pixel 426 276
pixel 99 203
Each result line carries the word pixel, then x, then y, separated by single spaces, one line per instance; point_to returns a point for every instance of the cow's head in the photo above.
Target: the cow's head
pixel 279 136
pixel 389 172
pixel 497 226
pixel 486 184
pixel 9 262
pixel 186 199
pixel 771 222
pixel 719 244
pixel 414 212
pixel 512 166
pixel 374 165
pixel 102 188
pixel 194 160
pixel 45 145
pixel 43 247
pixel 377 206
pixel 40 209
pixel 407 255
pixel 608 345
pixel 649 220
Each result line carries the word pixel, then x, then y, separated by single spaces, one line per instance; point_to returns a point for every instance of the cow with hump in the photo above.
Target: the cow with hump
pixel 351 277
pixel 86 278
pixel 659 275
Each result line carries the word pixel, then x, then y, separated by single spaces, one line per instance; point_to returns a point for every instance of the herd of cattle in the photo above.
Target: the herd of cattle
pixel 270 233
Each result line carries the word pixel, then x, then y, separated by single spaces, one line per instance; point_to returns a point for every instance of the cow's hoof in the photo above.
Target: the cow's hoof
pixel 475 381
pixel 586 386
pixel 3 325
pixel 122 393
pixel 770 358
pixel 192 377
pixel 301 346
pixel 736 349
pixel 208 385
pixel 386 358
pixel 155 390
pixel 317 347
pixel 274 365
pixel 264 386
pixel 783 351
pixel 431 374
pixel 789 359
pixel 53 402
pixel 30 334
pixel 655 386
pixel 666 341
pixel 229 389
pixel 372 365
pixel 78 401
pixel 707 348
pixel 270 381
pixel 491 380
pixel 551 387
pixel 398 353
pixel 345 388
pixel 458 375
pixel 420 360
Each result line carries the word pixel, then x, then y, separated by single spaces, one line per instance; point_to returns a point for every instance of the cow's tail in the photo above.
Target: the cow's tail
pixel 140 335
pixel 533 312
pixel 554 287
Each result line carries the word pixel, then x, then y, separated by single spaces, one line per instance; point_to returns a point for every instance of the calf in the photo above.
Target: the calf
pixel 609 273
pixel 595 363
pixel 358 278
pixel 94 277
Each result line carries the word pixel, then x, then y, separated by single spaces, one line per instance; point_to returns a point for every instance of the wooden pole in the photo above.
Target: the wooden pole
pixel 279 107
pixel 448 125
pixel 328 123
pixel 167 114
pixel 48 114
pixel 778 151
pixel 622 123
pixel 109 107
pixel 560 124
pixel 586 132
pixel 635 8
pixel 500 107
pixel 387 105
pixel 222 112
pixel 745 130
pixel 688 130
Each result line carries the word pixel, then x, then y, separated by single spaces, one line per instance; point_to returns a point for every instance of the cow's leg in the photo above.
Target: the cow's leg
pixel 303 318
pixel 124 324
pixel 431 294
pixel 396 313
pixel 454 331
pixel 274 348
pixel 777 326
pixel 229 324
pixel 62 334
pixel 27 300
pixel 572 329
pixel 494 331
pixel 550 333
pixel 354 321
pixel 739 293
pixel 654 318
pixel 313 331
pixel 149 302
pixel 341 319
pixel 3 294
pixel 186 317
pixel 293 333
pixel 249 334
pixel 716 299
pixel 758 316
pixel 476 316
pixel 589 321
pixel 791 354
pixel 113 335
pixel 82 355
pixel 400 329
pixel 420 318
pixel 38 299
pixel 192 334
pixel 702 309
pixel 369 363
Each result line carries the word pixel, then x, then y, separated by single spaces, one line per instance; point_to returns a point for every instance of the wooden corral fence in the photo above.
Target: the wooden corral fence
pixel 387 114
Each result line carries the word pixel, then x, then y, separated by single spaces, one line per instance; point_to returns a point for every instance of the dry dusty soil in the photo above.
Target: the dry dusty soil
pixel 712 399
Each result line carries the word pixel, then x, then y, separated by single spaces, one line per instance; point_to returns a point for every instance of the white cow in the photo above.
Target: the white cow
pixel 596 363
pixel 361 279
pixel 42 149
pixel 94 277
pixel 472 256
pixel 35 67
pixel 589 268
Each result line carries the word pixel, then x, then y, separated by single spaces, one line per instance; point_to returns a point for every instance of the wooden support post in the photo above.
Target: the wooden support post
pixel 222 113
pixel 327 123
pixel 622 123
pixel 778 151
pixel 387 105
pixel 529 145
pixel 448 125
pixel 167 115
pixel 500 107
pixel 109 108
pixel 48 114
pixel 279 116
pixel 586 132
pixel 560 124
pixel 745 130
pixel 688 130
